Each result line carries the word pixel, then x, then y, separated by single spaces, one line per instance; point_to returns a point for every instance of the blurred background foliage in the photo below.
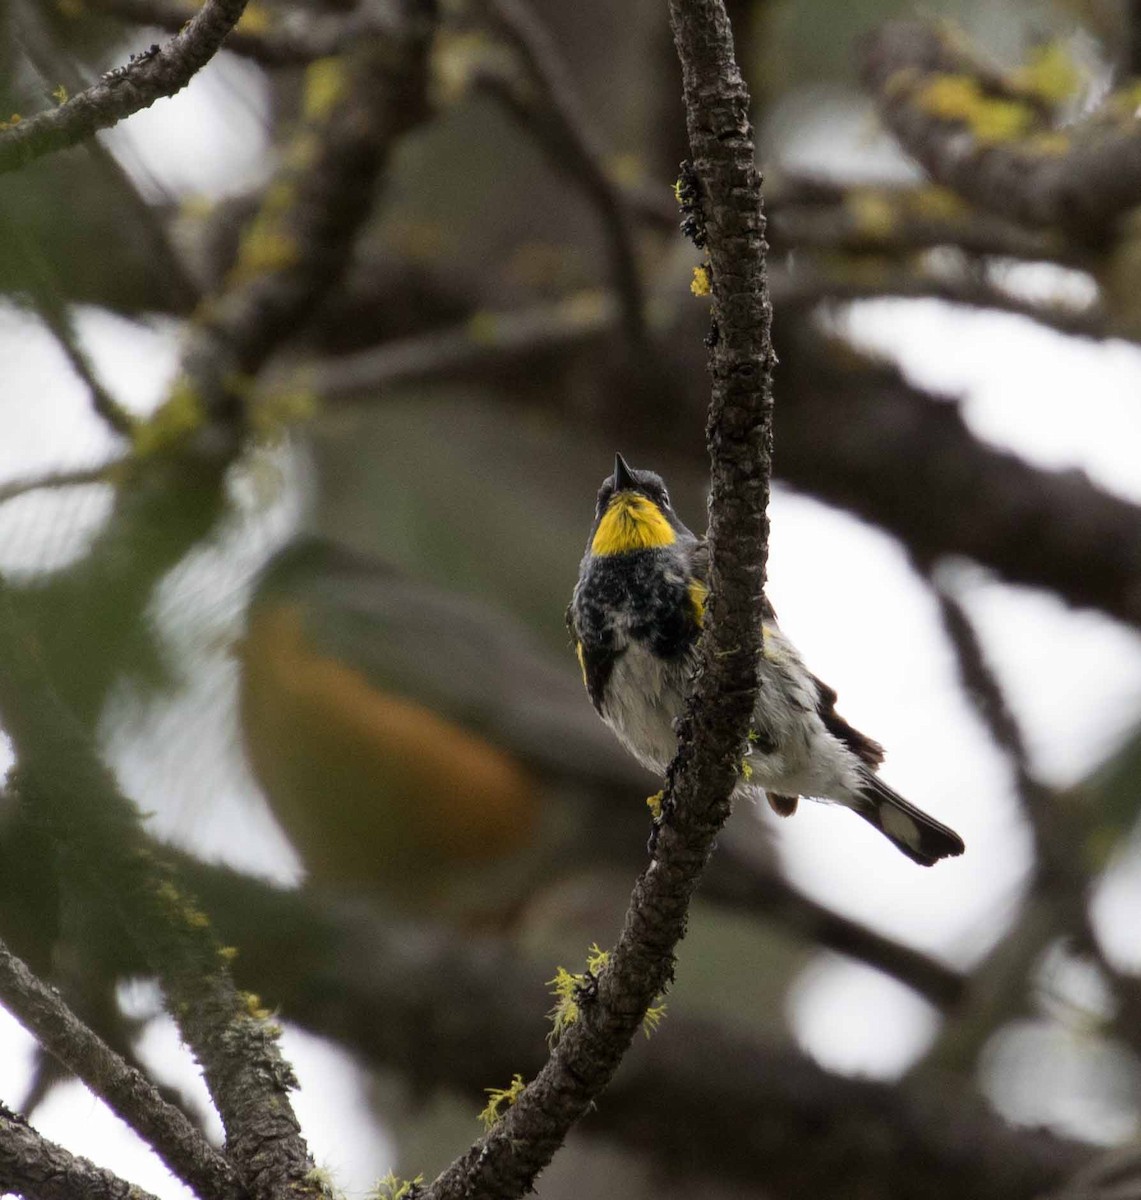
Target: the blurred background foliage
pixel 514 304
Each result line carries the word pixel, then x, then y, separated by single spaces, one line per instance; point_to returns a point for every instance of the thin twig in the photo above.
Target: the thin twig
pixel 147 77
pixel 828 214
pixel 35 1168
pixel 505 1163
pixel 878 280
pixel 38 43
pixel 293 36
pixel 125 1091
pixel 53 311
pixel 1058 901
pixel 58 479
pixel 559 122
pixel 57 318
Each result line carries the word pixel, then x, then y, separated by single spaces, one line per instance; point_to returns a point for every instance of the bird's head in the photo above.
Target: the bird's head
pixel 633 513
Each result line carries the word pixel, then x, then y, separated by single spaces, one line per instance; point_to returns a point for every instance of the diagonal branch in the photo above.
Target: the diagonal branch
pixel 559 124
pixel 147 77
pixel 126 1092
pixel 951 114
pixel 37 1169
pixel 1053 529
pixel 60 779
pixel 699 1101
pixel 292 37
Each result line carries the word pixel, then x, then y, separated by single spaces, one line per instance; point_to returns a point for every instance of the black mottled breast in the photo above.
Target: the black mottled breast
pixel 641 596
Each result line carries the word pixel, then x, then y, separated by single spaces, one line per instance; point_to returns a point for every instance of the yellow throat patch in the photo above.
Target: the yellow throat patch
pixel 632 522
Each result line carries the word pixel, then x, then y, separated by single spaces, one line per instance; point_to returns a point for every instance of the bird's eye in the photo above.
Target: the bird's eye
pixel 665 498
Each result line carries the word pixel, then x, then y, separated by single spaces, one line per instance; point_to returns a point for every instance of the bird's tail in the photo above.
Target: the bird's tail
pixel 923 839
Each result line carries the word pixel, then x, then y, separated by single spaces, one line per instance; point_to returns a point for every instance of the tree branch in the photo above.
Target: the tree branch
pixel 73 796
pixel 1044 528
pixel 561 128
pixel 301 240
pixel 860 219
pixel 293 37
pixel 994 147
pixel 712 732
pixel 700 1101
pixel 1056 905
pixel 125 1091
pixel 147 77
pixel 57 479
pixel 37 1169
pixel 888 442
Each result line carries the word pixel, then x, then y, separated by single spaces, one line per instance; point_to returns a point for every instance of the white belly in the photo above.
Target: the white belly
pixel 645 697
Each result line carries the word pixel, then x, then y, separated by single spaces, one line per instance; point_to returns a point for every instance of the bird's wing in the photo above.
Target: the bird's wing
pixel 464 660
pixel 866 749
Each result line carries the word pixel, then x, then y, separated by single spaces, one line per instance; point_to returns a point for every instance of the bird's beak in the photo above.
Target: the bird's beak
pixel 624 481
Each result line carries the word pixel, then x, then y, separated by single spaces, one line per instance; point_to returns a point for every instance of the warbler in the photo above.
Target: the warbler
pixel 421 745
pixel 635 617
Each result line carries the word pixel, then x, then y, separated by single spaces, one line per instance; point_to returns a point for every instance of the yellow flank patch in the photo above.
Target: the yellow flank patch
pixel 581 660
pixel 632 522
pixel 774 649
pixel 697 594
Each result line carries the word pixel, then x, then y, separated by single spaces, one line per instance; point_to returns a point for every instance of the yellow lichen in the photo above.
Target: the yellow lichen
pixel 273 413
pixel 937 203
pixel 254 1006
pixel 959 98
pixel 179 416
pixel 872 213
pixel 564 987
pixel 392 1187
pixel 326 83
pixel 179 907
pixel 902 81
pixel 265 249
pixel 483 328
pixel 456 59
pixel 59 94
pixel 626 169
pixel 567 986
pixel 1049 74
pixel 499 1100
pixel 318 1181
pixel 701 284
pixel 653 1018
pixel 654 804
pixel 1049 144
pixel 255 19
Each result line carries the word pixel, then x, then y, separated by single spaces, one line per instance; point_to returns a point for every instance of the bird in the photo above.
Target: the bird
pixel 421 745
pixel 635 617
